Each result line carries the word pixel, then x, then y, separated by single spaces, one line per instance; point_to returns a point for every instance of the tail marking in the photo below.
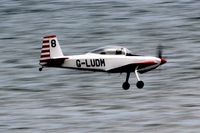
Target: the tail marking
pixel 50 50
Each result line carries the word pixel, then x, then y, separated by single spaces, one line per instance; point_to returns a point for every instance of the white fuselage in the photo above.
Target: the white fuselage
pixel 107 63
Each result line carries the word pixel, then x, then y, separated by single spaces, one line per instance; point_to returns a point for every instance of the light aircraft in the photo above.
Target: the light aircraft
pixel 111 59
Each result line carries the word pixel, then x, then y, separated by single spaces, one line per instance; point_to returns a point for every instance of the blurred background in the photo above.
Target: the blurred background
pixel 62 100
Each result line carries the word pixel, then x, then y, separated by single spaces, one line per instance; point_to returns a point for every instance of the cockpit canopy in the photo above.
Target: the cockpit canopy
pixel 112 50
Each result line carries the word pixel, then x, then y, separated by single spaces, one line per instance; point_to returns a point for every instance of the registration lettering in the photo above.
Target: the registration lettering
pixel 91 63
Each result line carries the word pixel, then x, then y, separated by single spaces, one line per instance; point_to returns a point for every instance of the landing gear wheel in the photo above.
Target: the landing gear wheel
pixel 140 84
pixel 40 69
pixel 126 86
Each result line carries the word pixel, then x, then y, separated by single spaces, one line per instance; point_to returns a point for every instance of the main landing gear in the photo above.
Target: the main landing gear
pixel 139 84
pixel 126 85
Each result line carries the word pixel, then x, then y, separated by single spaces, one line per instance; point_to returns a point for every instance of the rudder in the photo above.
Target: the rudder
pixel 50 49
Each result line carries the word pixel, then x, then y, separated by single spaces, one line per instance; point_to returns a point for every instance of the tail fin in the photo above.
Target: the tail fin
pixel 50 49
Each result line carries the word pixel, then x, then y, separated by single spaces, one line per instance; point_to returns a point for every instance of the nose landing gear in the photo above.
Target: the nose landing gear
pixel 140 83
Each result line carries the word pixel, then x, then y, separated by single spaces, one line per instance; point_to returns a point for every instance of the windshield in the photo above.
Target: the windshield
pixel 112 50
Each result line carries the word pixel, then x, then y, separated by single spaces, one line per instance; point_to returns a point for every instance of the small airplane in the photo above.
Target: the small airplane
pixel 111 59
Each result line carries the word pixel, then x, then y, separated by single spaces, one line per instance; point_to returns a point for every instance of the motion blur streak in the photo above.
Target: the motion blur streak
pixel 80 102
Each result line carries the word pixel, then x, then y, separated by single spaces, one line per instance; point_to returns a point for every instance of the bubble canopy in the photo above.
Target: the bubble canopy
pixel 112 50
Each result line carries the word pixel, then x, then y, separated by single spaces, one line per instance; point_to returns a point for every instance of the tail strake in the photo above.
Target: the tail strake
pixel 50 49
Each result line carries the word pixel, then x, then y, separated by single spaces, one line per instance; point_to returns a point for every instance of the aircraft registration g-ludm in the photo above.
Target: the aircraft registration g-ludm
pixel 111 59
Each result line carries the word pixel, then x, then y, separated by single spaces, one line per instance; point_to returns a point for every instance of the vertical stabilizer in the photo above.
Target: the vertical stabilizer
pixel 50 49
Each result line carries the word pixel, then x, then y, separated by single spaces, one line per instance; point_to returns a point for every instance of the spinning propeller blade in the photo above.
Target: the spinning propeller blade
pixel 159 51
pixel 159 54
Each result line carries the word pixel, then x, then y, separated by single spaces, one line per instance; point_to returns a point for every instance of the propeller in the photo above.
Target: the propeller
pixel 159 51
pixel 159 54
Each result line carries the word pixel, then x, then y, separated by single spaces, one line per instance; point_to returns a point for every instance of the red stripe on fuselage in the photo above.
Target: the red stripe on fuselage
pixel 147 63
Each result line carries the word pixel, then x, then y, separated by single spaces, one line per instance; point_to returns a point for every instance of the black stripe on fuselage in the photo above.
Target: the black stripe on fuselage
pixel 131 68
pixel 55 62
